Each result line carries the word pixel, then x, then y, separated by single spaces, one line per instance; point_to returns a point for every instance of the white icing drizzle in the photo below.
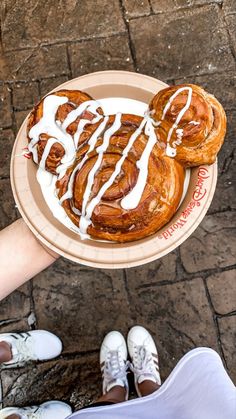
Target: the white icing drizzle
pixel 47 182
pixel 73 115
pixel 34 151
pixel 75 210
pixel 91 106
pixel 131 200
pixel 46 151
pixel 180 133
pixel 95 201
pixel 171 151
pixel 48 125
pixel 178 141
pixel 92 142
pixel 156 123
pixel 81 125
pixel 85 220
pixel 149 115
pixel 194 123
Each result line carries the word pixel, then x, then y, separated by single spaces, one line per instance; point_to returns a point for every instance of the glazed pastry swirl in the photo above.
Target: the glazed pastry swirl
pixel 190 122
pixel 124 188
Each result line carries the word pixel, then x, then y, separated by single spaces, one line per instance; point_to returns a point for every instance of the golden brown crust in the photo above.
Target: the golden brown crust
pixel 201 141
pixel 159 200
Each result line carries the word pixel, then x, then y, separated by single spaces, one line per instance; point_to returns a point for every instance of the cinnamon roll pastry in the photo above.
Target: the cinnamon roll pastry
pixel 58 125
pixel 190 124
pixel 122 186
pixel 120 178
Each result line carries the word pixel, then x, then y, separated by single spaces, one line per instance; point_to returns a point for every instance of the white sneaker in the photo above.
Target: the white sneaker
pixel 48 410
pixel 113 362
pixel 34 345
pixel 144 356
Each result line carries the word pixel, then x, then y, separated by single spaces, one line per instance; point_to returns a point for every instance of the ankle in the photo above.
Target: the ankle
pixel 5 352
pixel 115 395
pixel 147 387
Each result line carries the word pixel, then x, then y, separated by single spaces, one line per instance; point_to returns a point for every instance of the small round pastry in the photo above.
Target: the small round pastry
pixel 190 123
pixel 122 187
pixel 57 126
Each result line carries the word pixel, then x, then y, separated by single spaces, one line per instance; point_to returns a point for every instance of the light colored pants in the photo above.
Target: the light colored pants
pixel 198 388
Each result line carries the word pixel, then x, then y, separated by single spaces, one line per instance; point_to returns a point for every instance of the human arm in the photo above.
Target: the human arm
pixel 21 257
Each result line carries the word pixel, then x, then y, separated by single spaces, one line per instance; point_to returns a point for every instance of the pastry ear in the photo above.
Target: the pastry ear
pixel 191 122
pixel 67 107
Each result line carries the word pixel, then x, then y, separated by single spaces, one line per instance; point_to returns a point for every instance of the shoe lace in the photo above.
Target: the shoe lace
pixel 34 412
pixel 115 367
pixel 35 415
pixel 142 363
pixel 24 348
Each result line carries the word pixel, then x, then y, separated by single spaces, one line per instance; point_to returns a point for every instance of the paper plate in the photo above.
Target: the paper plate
pixel 56 236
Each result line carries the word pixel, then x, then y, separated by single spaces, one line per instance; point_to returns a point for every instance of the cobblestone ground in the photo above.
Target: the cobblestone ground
pixel 187 298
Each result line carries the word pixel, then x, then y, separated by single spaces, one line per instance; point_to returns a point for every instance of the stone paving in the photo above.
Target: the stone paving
pixel 187 298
